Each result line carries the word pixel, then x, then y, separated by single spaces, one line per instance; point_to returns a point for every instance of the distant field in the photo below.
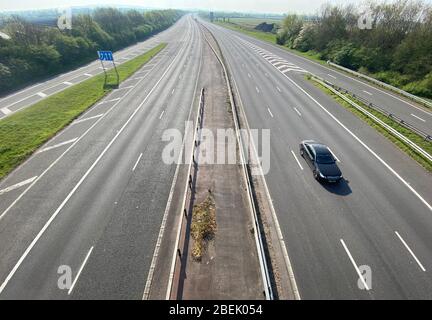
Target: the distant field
pixel 265 36
pixel 253 22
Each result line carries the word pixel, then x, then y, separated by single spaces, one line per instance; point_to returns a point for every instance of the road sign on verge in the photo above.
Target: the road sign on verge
pixel 108 56
pixel 105 56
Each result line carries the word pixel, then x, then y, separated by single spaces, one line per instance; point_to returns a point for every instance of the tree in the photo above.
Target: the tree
pixel 291 27
pixel 34 51
pixel 305 41
pixel 332 25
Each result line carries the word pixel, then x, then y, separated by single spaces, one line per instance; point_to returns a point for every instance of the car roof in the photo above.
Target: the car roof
pixel 320 148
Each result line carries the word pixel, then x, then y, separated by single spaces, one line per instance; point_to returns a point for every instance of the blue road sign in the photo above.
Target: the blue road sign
pixel 105 56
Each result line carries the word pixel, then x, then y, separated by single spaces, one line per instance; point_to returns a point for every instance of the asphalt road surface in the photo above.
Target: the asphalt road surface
pixel 405 109
pixel 101 187
pixel 93 197
pixel 379 216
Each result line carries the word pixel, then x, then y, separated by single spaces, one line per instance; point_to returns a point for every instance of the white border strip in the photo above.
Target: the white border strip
pixel 18 185
pixel 58 145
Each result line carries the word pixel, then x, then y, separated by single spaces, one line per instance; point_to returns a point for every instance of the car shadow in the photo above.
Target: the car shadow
pixel 340 188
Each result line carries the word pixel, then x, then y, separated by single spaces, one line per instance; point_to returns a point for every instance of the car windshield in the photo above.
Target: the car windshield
pixel 325 159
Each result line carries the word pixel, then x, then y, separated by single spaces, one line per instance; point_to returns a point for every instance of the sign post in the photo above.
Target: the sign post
pixel 108 56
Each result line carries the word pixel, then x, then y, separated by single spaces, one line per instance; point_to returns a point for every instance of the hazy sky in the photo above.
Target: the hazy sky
pixel 267 6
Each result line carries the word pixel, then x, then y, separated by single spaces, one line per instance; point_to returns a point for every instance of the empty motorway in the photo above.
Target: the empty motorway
pixel 391 102
pixel 94 198
pixel 101 188
pixel 379 216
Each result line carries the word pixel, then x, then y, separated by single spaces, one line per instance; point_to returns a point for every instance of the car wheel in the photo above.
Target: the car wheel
pixel 316 176
pixel 301 152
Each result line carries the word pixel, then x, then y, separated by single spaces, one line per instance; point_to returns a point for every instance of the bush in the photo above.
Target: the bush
pixel 306 39
pixel 343 53
pixel 421 88
pixel 392 77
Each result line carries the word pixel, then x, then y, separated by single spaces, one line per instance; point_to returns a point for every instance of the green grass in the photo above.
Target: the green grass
pixel 25 131
pixel 265 36
pixel 253 22
pixel 420 141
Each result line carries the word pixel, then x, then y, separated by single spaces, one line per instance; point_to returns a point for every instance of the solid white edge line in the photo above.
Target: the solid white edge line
pixel 170 197
pixel 58 145
pixel 362 143
pixel 180 219
pixel 410 251
pixel 336 71
pixel 54 215
pixel 136 163
pixel 296 159
pixel 20 92
pixel 354 264
pixel 418 117
pixel 80 270
pixel 340 73
pixel 50 87
pixel 272 209
pixel 18 185
pixel 58 159
pixel 263 265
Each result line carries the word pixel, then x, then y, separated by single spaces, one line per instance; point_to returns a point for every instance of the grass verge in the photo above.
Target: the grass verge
pixel 265 36
pixel 25 131
pixel 203 226
pixel 425 145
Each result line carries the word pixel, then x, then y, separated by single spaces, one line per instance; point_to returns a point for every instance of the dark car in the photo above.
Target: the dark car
pixel 321 161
